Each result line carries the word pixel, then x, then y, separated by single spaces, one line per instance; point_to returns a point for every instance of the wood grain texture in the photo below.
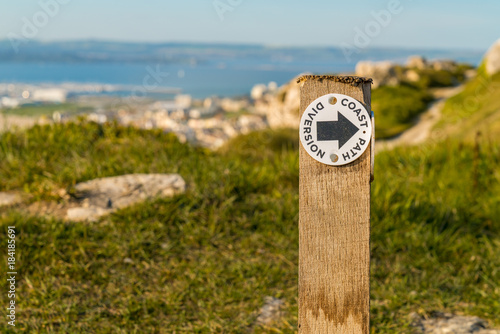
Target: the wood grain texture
pixel 334 228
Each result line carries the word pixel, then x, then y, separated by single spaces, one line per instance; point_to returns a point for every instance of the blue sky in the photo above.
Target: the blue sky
pixel 415 23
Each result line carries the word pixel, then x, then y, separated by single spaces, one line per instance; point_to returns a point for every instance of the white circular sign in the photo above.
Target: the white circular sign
pixel 335 129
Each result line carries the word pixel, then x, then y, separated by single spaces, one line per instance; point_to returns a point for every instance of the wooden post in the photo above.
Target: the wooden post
pixel 334 228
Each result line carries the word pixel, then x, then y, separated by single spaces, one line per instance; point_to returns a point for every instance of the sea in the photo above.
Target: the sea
pixel 215 76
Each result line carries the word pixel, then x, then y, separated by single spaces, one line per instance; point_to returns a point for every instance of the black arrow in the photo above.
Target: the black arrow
pixel 341 130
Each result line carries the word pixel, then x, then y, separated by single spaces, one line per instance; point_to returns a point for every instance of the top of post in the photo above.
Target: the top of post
pixel 348 79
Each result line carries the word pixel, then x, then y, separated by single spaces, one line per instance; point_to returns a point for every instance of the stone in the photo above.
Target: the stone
pixel 8 199
pixel 271 311
pixel 86 213
pixel 258 91
pixel 446 323
pixel 383 73
pixel 214 132
pixel 418 62
pixel 492 59
pixel 105 195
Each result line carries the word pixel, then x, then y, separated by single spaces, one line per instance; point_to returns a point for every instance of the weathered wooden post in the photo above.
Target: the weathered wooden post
pixel 334 221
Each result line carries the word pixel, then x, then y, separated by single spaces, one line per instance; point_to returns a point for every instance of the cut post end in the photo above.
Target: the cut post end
pixel 348 79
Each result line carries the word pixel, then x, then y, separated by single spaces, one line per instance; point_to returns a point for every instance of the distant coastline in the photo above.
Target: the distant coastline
pixel 198 69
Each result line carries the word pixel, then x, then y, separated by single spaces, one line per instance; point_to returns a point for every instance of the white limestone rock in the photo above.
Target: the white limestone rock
pixel 383 73
pixel 445 323
pixel 418 62
pixel 281 109
pixel 492 59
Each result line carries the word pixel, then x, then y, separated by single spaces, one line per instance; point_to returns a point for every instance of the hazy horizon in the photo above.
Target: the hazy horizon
pixel 391 24
pixel 234 43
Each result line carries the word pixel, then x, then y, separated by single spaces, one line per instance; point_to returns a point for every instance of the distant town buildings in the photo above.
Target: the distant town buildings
pixel 52 95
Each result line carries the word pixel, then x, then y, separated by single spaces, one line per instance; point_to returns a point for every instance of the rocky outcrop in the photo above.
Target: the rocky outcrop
pixel 492 59
pixel 105 195
pixel 212 133
pixel 383 73
pixel 444 65
pixel 445 323
pixel 280 106
pixel 386 73
pixel 418 62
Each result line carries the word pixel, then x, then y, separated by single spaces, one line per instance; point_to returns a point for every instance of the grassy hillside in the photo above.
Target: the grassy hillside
pixel 203 262
pixel 476 108
pixel 396 107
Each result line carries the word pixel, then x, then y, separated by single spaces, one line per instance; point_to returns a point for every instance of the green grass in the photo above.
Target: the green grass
pixel 396 108
pixel 430 78
pixel 476 108
pixel 435 232
pixel 46 109
pixel 203 262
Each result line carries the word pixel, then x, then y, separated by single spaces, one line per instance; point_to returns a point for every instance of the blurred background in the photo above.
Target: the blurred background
pixel 149 161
